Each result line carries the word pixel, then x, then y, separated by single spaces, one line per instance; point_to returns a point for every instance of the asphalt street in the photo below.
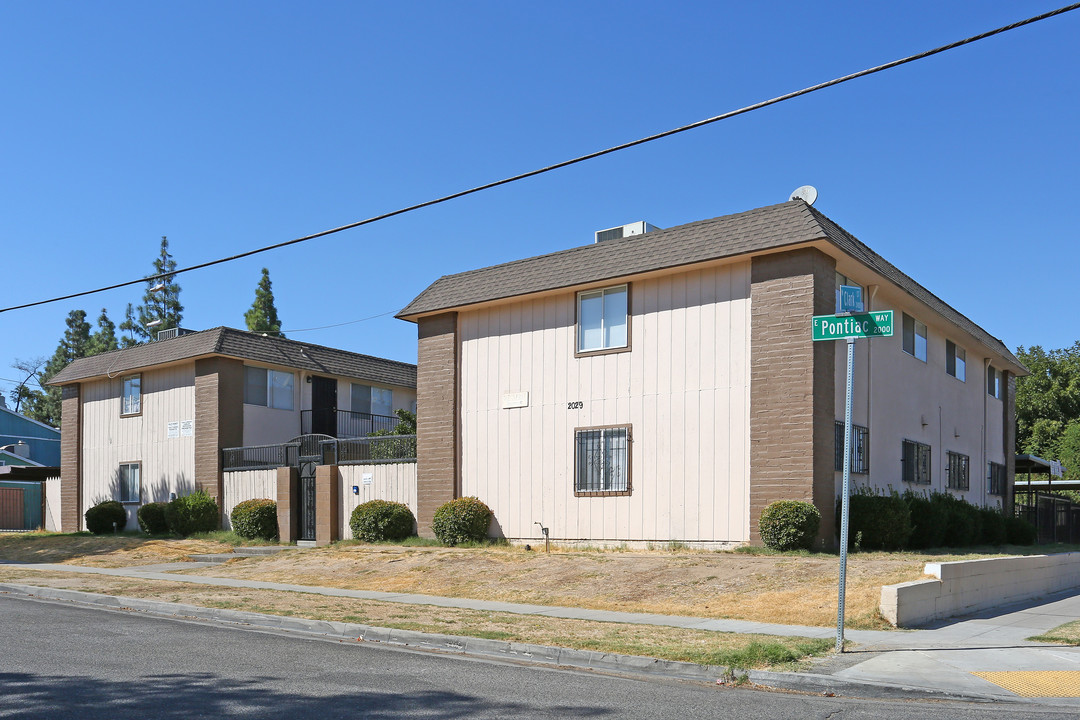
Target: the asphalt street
pixel 73 662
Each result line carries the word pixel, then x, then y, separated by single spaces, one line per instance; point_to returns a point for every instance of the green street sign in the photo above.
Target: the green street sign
pixel 856 325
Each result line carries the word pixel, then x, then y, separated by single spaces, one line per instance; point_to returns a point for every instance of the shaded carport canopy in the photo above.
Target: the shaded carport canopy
pixel 1035 465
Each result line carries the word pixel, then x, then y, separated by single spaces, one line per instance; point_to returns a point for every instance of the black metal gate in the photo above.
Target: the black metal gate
pixel 306 530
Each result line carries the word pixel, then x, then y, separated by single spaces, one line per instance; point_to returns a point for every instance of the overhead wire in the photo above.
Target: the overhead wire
pixel 567 163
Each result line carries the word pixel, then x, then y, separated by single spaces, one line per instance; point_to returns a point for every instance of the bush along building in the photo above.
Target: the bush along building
pixel 662 385
pixel 158 420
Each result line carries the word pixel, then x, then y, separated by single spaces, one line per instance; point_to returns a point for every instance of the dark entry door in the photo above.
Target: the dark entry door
pixel 306 530
pixel 323 406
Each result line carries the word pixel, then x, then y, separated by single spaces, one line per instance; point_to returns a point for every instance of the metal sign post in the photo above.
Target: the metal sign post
pixel 845 496
pixel 848 324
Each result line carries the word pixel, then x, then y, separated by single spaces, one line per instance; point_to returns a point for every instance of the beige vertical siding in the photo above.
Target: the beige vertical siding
pixel 168 464
pixel 389 481
pixel 684 388
pixel 244 485
pixel 900 397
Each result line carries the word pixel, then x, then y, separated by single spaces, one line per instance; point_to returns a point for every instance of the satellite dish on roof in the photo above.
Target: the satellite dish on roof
pixel 806 193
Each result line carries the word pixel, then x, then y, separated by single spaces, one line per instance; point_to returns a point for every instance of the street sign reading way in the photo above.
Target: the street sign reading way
pixel 858 325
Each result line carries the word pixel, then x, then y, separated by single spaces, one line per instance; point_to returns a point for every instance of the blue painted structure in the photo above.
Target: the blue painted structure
pixel 44 441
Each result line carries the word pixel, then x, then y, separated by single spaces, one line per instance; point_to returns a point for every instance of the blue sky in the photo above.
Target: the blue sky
pixel 231 125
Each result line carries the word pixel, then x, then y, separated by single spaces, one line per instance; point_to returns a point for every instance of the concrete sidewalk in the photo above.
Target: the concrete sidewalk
pixel 984 657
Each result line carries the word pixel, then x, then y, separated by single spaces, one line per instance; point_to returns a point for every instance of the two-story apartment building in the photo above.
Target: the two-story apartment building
pixel 664 386
pixel 145 423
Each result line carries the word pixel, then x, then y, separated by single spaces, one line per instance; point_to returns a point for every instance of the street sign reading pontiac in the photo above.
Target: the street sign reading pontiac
pixel 858 325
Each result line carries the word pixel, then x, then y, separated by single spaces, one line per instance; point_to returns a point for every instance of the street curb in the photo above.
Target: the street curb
pixel 485 648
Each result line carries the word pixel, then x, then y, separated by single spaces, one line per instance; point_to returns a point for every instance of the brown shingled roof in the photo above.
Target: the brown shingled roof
pixel 246 346
pixel 767 228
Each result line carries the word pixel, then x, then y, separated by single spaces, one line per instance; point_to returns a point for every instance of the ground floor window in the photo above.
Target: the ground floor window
pixel 860 448
pixel 995 478
pixel 129 477
pixel 959 477
pixel 915 457
pixel 602 460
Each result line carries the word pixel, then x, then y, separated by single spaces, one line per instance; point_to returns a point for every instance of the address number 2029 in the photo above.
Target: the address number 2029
pixel 575 405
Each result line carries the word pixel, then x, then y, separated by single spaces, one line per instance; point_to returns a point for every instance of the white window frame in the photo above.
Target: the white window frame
pixel 605 344
pixel 914 349
pixel 131 394
pixel 124 482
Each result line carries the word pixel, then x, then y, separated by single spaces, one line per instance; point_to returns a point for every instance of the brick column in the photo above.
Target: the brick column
pixel 219 418
pixel 70 459
pixel 437 440
pixel 1008 439
pixel 288 503
pixel 792 386
pixel 327 502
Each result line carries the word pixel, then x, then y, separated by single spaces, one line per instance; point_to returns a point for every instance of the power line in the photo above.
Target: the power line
pixel 567 163
pixel 340 324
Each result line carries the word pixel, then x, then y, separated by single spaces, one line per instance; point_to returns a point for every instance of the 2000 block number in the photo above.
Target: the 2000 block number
pixel 575 405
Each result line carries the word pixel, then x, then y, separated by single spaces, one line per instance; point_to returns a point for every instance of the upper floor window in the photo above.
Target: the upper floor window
pixel 131 396
pixel 372 400
pixel 270 388
pixel 993 382
pixel 955 360
pixel 914 337
pixel 845 280
pixel 602 319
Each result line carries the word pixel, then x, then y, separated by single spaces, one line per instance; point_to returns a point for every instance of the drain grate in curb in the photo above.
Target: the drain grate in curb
pixel 1037 683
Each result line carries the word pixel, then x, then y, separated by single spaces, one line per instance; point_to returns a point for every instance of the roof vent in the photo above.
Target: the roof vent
pixel 172 332
pixel 638 228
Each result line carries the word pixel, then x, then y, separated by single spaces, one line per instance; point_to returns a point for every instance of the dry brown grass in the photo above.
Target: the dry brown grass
pixel 101 550
pixel 698 646
pixel 799 589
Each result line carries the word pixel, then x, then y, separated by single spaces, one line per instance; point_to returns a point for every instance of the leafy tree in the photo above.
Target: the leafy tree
pixel 44 405
pixel 104 339
pixel 29 368
pixel 163 304
pixel 1048 406
pixel 263 317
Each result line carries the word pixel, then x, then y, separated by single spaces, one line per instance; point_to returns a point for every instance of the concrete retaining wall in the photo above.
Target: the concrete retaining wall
pixel 968 586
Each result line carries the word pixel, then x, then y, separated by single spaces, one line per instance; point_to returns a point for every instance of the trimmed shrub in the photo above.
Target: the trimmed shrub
pixel 255 519
pixel 876 522
pixel 789 525
pixel 1019 531
pixel 463 520
pixel 963 525
pixel 152 519
pixel 197 512
pixel 378 520
pixel 100 518
pixel 928 520
pixel 993 527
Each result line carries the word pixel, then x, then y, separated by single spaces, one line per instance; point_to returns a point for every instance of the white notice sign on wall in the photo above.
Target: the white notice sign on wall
pixel 515 400
pixel 366 477
pixel 172 430
pixel 187 428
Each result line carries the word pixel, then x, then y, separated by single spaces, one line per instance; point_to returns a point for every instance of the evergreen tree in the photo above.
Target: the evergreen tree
pixel 160 305
pixel 104 339
pixel 263 317
pixel 129 326
pixel 44 405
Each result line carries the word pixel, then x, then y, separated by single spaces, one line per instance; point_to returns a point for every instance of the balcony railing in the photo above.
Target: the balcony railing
pixel 344 423
pixel 259 457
